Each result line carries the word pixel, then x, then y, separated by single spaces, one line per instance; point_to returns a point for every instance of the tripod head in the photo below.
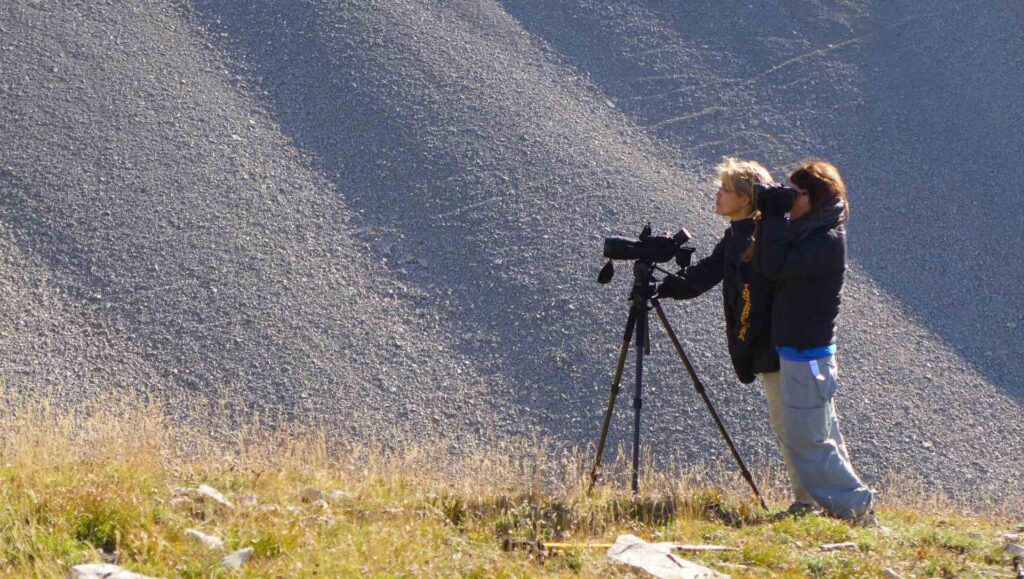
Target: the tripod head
pixel 643 281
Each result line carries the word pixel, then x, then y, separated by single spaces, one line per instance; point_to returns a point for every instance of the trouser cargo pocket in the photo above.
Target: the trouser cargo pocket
pixel 807 385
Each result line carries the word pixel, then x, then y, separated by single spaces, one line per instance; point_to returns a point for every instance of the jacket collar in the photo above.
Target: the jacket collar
pixel 830 215
pixel 742 227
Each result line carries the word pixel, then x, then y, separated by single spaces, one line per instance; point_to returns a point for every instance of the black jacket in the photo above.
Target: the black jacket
pixel 747 297
pixel 806 258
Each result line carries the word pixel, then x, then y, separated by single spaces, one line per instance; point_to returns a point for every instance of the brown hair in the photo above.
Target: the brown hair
pixel 822 182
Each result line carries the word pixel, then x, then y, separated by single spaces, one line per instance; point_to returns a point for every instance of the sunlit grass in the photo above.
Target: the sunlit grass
pixel 110 482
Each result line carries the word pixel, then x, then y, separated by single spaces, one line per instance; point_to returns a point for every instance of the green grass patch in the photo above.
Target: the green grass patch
pixel 80 487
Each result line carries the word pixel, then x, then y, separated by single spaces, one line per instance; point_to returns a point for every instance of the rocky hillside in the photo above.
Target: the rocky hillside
pixel 387 216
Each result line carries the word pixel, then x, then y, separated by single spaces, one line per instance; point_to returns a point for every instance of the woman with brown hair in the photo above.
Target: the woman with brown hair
pixel 805 255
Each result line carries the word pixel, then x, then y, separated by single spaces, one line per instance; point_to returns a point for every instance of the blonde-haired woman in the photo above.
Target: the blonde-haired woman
pixel 805 255
pixel 747 294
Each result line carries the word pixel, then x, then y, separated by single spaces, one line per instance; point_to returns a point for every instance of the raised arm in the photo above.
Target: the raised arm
pixel 821 252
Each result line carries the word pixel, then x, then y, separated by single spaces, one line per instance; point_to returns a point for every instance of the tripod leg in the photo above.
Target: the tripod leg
pixel 707 401
pixel 642 345
pixel 626 337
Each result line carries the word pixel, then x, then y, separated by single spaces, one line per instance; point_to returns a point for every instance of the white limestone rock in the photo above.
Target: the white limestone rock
pixel 208 492
pixel 237 559
pixel 657 559
pixel 208 541
pixel 103 571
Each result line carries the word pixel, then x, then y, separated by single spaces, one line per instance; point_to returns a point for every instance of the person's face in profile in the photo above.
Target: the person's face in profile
pixel 730 204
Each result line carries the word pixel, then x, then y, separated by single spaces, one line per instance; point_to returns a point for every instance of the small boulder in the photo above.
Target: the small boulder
pixel 657 559
pixel 311 495
pixel 214 495
pixel 208 541
pixel 103 571
pixel 237 559
pixel 847 546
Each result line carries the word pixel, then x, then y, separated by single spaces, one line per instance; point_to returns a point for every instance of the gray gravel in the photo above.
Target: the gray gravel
pixel 186 246
pixel 386 216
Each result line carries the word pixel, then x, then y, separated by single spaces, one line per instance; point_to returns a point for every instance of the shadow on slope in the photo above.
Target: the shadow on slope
pixel 462 144
pixel 919 109
pixel 459 144
pixel 170 206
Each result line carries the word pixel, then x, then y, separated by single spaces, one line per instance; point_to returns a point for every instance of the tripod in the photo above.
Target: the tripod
pixel 638 324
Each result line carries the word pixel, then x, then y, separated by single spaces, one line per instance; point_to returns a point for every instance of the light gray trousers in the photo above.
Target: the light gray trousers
pixel 802 413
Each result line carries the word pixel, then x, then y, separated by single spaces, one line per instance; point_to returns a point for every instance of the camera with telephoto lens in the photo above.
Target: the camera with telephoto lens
pixel 646 248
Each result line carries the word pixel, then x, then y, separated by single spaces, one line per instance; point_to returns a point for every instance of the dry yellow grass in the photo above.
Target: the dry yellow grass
pixel 104 482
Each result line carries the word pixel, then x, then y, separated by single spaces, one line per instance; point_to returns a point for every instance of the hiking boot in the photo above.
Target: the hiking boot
pixel 799 509
pixel 866 519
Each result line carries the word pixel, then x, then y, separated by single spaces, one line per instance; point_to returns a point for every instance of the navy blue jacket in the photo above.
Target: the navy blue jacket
pixel 806 258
